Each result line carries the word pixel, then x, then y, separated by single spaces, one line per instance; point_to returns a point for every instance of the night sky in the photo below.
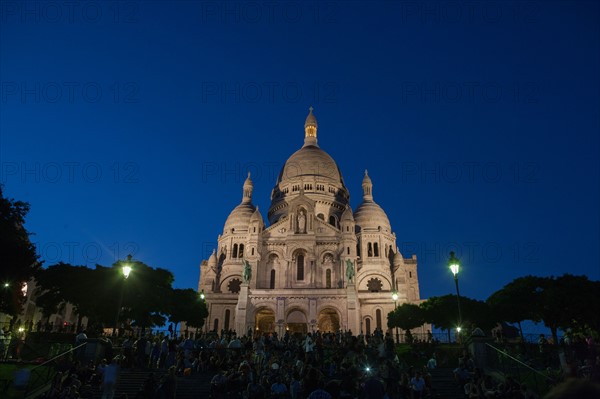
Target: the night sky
pixel 130 126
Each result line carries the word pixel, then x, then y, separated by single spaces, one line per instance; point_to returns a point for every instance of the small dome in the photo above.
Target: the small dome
pixel 257 217
pixel 239 218
pixel 347 216
pixel 369 214
pixel 212 260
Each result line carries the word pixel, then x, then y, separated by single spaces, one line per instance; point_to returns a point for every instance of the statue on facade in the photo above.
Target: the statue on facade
pixel 301 222
pixel 247 275
pixel 349 270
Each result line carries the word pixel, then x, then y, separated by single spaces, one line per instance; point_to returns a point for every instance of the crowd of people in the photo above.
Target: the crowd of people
pixel 293 366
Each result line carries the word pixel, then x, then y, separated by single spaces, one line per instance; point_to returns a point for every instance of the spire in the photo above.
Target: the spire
pixel 248 186
pixel 367 186
pixel 310 128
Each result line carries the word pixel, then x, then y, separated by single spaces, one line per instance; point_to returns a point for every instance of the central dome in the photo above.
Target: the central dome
pixel 312 172
pixel 311 162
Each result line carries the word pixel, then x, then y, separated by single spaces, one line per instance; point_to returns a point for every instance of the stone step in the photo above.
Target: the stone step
pixel 188 387
pixel 444 384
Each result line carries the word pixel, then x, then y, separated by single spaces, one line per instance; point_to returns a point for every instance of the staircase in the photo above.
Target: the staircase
pixel 188 387
pixel 444 385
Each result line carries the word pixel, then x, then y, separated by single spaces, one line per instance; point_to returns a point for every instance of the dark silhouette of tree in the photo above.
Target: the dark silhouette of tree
pixel 147 293
pixel 187 306
pixel 77 285
pixel 18 258
pixel 406 317
pixel 560 303
pixel 517 301
pixel 443 313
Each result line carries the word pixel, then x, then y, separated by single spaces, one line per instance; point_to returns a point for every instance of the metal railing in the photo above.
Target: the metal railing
pixel 43 374
pixel 509 365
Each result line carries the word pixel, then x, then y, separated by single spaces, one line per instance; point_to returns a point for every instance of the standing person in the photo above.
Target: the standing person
pixel 308 348
pixel 109 379
pixel 164 351
pixel 168 386
pixel 417 384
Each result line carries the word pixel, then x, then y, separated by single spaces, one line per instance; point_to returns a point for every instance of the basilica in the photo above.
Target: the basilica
pixel 316 265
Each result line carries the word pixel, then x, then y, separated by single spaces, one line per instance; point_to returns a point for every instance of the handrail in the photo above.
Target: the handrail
pixel 57 356
pixel 520 362
pixel 35 390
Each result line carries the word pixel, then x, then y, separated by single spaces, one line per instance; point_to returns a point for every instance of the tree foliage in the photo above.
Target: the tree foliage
pixel 406 316
pixel 443 313
pixel 18 258
pixel 187 306
pixel 560 303
pixel 146 297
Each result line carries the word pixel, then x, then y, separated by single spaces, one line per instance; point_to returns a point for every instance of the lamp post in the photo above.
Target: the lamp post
pixel 395 299
pixel 454 265
pixel 203 299
pixel 126 270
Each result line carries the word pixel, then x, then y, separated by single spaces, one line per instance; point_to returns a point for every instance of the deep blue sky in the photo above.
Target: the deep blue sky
pixel 129 126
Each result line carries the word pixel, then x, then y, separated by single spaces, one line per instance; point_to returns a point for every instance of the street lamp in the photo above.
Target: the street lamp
pixel 202 296
pixel 126 270
pixel 395 299
pixel 454 265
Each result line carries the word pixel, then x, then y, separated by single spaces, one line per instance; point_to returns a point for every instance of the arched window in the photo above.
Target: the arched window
pixel 300 267
pixel 227 315
pixel 321 216
pixel 241 252
pixel 368 326
pixel 216 325
pixel 332 220
pixel 358 249
pixel 369 249
pixel 348 251
pixel 252 250
pixel 272 283
pixel 234 252
pixel 409 274
pixel 328 278
pixel 375 249
pixel 378 317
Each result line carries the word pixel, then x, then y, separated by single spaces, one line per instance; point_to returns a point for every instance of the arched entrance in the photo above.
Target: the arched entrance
pixel 296 322
pixel 265 320
pixel 328 321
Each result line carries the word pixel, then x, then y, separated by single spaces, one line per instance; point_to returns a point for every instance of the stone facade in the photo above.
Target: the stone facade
pixel 317 266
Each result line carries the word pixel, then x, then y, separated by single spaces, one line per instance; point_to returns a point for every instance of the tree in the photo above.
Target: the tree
pixel 406 317
pixel 96 293
pixel 147 292
pixel 18 257
pixel 68 283
pixel 441 311
pixel 186 306
pixel 562 302
pixel 517 301
pixel 566 301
